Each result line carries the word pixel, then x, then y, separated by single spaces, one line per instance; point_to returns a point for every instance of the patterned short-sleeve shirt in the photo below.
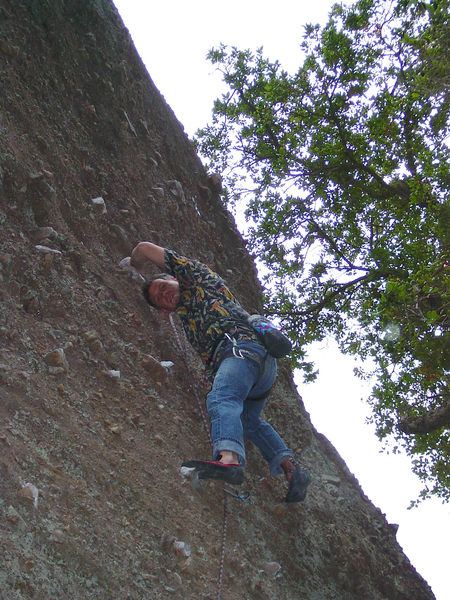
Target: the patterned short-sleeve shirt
pixel 207 308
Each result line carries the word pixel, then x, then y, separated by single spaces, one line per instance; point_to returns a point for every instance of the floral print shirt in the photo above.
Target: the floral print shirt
pixel 207 308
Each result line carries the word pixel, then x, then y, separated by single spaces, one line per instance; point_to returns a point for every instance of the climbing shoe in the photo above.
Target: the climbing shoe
pixel 298 479
pixel 210 469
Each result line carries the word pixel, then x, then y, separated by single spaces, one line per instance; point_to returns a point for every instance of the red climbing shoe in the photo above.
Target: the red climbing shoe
pixel 211 469
pixel 298 479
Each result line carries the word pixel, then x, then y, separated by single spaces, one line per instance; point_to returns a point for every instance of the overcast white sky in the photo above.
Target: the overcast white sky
pixel 172 38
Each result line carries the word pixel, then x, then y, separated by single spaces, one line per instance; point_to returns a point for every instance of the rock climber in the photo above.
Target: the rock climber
pixel 238 365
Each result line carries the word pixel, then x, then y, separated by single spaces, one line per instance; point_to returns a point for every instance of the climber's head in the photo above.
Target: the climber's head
pixel 162 291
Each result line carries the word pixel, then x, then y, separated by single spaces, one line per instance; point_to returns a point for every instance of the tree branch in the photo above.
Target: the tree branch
pixel 326 299
pixel 432 420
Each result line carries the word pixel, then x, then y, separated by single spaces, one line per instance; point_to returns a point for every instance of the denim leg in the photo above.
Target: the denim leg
pixel 233 416
pixel 225 402
pixel 264 436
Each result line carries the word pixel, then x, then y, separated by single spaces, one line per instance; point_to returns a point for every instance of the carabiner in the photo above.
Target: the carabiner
pixel 236 351
pixel 244 497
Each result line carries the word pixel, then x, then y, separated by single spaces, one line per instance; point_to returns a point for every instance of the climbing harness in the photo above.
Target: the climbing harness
pixel 219 356
pixel 243 353
pixel 244 497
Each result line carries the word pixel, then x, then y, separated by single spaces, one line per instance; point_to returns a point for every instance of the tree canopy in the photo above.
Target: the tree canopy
pixel 344 169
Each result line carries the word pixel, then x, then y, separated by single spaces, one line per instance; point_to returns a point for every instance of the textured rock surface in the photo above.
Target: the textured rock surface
pixel 92 427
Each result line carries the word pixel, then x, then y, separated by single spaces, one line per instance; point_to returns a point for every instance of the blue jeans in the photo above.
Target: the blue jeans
pixel 234 416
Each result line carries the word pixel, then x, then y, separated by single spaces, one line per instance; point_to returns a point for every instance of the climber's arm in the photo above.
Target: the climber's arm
pixel 147 252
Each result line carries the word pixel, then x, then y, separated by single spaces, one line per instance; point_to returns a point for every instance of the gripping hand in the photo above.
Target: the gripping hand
pixel 130 271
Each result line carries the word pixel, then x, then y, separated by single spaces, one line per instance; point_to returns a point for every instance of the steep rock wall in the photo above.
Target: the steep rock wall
pixel 92 504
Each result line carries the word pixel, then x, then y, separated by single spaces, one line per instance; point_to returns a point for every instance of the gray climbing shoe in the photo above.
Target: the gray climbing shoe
pixel 298 479
pixel 211 469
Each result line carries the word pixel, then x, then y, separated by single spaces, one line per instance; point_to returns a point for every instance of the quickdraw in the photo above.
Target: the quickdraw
pixel 244 497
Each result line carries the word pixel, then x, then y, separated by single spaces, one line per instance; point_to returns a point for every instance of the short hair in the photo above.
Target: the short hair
pixel 148 282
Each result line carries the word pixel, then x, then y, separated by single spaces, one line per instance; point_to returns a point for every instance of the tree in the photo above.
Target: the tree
pixel 344 168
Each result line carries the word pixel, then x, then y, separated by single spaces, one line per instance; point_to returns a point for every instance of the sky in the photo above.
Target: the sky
pixel 173 38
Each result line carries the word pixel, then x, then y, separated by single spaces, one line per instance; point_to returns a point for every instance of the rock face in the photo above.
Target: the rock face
pixel 93 427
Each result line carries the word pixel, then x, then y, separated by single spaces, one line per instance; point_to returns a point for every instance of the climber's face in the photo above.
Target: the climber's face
pixel 165 294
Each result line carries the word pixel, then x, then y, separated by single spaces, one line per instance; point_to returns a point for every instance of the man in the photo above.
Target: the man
pixel 240 368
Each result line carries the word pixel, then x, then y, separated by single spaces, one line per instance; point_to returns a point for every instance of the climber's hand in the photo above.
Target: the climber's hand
pixel 130 271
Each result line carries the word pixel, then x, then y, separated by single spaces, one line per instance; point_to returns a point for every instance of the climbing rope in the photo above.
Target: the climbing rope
pixel 183 349
pixel 193 382
pixel 224 546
